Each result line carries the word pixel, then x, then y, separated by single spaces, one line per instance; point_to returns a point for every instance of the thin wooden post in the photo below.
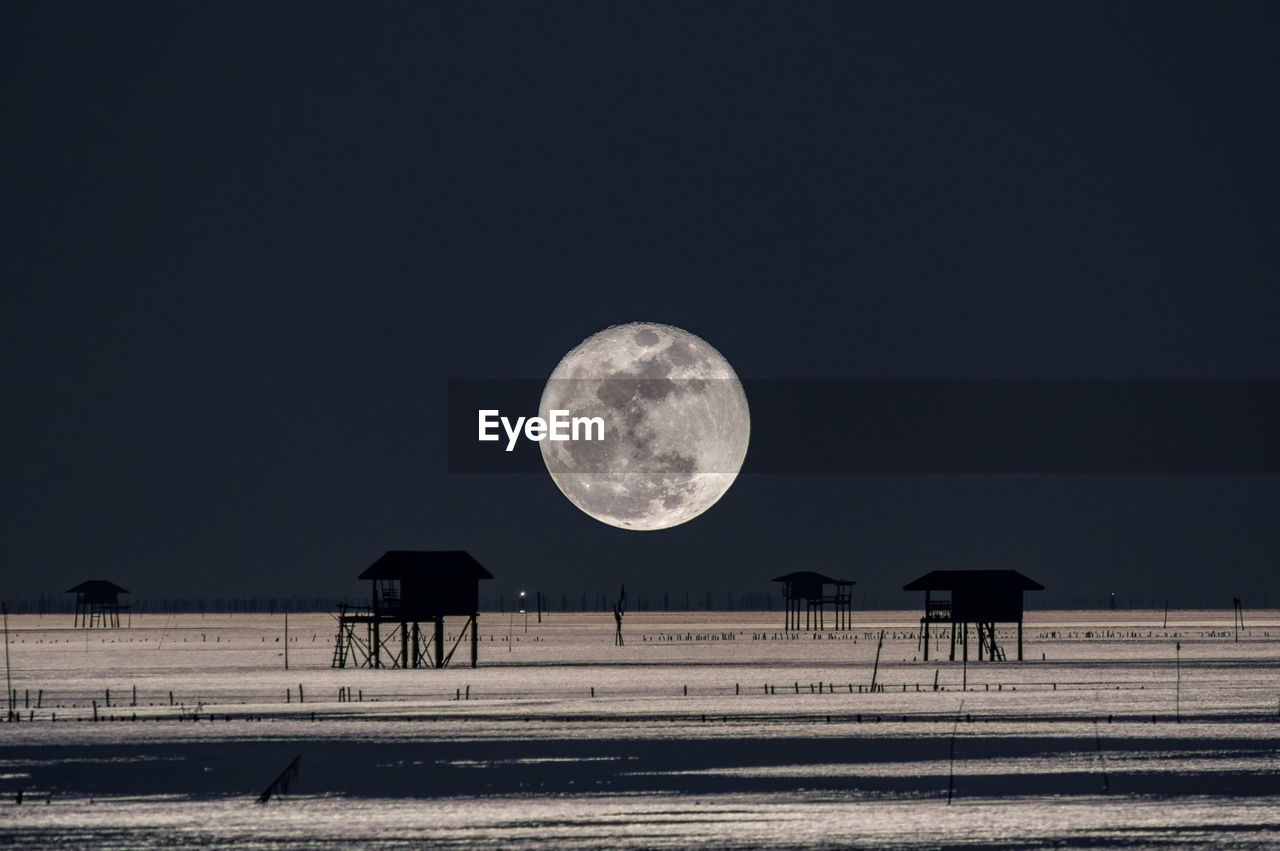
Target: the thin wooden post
pixel 8 679
pixel 1102 763
pixel 951 770
pixel 924 625
pixel 876 669
pixel 1177 695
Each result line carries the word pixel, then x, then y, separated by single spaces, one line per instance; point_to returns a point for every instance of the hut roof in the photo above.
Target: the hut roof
pixel 97 586
pixel 434 564
pixel 811 576
pixel 973 580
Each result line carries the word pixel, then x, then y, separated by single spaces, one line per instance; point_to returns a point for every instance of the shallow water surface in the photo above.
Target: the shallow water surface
pixel 710 729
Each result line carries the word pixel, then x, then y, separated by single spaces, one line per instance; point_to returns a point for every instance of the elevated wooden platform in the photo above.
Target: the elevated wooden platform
pixel 369 639
pixel 403 627
pixel 98 604
pixel 807 589
pixel 978 597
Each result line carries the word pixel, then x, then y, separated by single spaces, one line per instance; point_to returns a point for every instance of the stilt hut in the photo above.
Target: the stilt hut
pixel 979 597
pixel 411 588
pixel 98 603
pixel 808 589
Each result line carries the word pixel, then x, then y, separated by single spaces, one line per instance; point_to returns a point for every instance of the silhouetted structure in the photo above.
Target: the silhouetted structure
pixel 981 597
pixel 809 588
pixel 98 603
pixel 411 588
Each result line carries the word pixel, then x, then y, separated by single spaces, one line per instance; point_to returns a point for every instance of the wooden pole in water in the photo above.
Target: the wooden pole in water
pixel 876 669
pixel 286 641
pixel 1177 694
pixel 925 624
pixel 475 637
pixel 1102 762
pixel 8 681
pixel 951 770
pixel 280 785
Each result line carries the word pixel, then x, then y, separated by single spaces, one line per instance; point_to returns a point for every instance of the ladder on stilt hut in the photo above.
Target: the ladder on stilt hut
pixel 340 642
pixel 987 635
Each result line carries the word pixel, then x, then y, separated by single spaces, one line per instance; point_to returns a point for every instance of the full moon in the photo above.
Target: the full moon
pixel 676 426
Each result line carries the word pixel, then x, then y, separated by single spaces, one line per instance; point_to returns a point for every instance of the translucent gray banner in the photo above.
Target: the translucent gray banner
pixel 824 426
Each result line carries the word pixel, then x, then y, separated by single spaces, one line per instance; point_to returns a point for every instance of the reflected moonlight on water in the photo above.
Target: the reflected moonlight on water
pixel 676 426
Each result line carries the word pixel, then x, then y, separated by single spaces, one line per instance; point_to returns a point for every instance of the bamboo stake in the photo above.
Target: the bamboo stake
pixel 8 681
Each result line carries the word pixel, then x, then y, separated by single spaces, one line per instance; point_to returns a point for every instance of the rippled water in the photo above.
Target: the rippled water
pixel 709 729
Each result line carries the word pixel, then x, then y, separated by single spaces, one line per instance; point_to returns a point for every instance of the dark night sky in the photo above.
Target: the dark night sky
pixel 245 245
